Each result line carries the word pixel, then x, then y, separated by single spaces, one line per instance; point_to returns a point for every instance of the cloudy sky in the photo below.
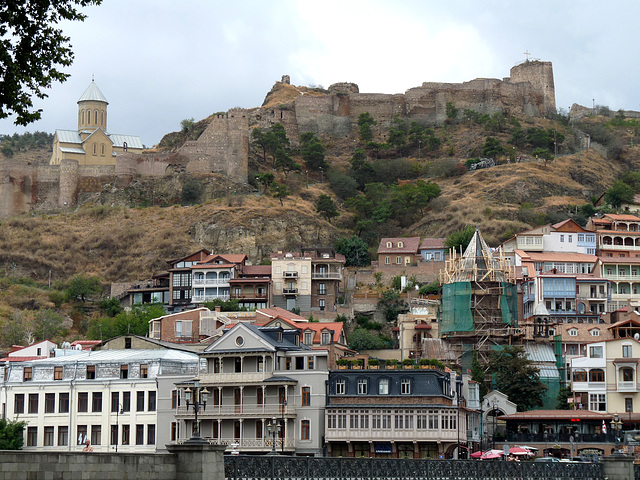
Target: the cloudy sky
pixel 159 61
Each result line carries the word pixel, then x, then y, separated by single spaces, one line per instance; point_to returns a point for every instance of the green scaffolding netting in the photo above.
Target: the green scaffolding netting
pixel 456 308
pixel 509 304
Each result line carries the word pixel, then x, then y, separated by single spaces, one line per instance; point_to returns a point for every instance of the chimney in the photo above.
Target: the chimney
pixel 217 308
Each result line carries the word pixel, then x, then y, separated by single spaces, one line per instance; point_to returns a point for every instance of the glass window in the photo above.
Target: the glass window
pixel 311 363
pixel 33 403
pixel 48 436
pixel 126 434
pixel 140 401
pixel 50 404
pixel 306 396
pixel 139 434
pixel 151 402
pixel 96 403
pixel 626 351
pixel 596 375
pixel 405 386
pixel 32 436
pixel 124 371
pixel 305 427
pixel 18 403
pixel 115 401
pixel 340 387
pixel 113 438
pixel 595 352
pixel 383 386
pixel 63 402
pixel 362 386
pixel 82 434
pixel 27 374
pixel 83 402
pixel 126 401
pixel 151 434
pixel 96 434
pixel 91 372
pixel 63 436
pixel 57 373
pixel 144 371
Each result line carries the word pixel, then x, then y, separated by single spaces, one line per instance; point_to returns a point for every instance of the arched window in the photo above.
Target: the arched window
pixel 124 146
pixel 596 375
pixel 96 120
pixel 400 244
pixel 95 148
pixel 102 148
pixel 88 116
pixel 82 117
pixel 626 374
pixel 389 244
pixel 101 118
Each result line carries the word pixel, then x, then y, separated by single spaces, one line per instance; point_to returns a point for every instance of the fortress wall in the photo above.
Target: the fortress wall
pixel 540 76
pixel 68 183
pixel 47 186
pixel 17 188
pixel 324 116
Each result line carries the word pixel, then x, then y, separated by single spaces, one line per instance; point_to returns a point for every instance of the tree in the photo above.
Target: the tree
pixel 312 151
pixel 618 194
pixel 231 305
pixel 280 192
pixel 460 239
pixel 14 330
pixel 326 207
pixel 563 398
pixel 477 374
pixel 80 287
pixel 355 251
pixel 398 133
pixel 32 51
pixel 516 376
pixel 365 122
pixel 11 434
pixel 187 124
pixel 285 162
pixel 362 339
pixel 492 147
pixel 48 324
pixel 111 306
pixel 452 112
pixel 266 179
pixel 135 322
pixel 392 305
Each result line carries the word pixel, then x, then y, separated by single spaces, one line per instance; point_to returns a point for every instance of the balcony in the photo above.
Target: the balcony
pixel 248 445
pixel 392 434
pixel 627 386
pixel 202 282
pixel 289 291
pixel 290 274
pixel 206 298
pixel 620 247
pixel 623 276
pixel 326 276
pixel 234 378
pixel 249 296
pixel 235 411
pixel 551 438
pixel 592 296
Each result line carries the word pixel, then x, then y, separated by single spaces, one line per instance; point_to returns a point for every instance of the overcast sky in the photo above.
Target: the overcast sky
pixel 158 62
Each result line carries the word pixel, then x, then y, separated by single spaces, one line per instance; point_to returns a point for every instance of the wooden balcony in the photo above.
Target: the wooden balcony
pixel 398 435
pixel 236 411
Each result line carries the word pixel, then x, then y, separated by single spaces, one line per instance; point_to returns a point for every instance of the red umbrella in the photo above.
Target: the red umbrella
pixel 519 451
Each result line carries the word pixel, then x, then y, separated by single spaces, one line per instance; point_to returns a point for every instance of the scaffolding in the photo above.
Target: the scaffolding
pixel 479 300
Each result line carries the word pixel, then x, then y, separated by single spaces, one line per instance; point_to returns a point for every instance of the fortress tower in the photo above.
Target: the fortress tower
pixel 540 76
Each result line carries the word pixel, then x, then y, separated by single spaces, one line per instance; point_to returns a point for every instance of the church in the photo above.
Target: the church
pixel 91 144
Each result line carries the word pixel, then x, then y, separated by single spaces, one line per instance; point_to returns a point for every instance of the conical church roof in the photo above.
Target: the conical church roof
pixel 478 262
pixel 92 93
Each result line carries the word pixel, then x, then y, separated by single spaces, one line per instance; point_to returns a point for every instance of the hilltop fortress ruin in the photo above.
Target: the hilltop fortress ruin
pixel 223 148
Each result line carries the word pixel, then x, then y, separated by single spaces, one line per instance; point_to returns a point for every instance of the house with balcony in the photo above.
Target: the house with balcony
pixel 308 280
pixel 574 340
pixel 188 326
pixel 180 276
pixel 624 274
pixel 251 286
pixel 394 413
pixel 258 377
pixel 399 251
pixel 118 399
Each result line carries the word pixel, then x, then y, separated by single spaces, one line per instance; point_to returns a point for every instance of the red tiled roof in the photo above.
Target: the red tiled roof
pixel 556 256
pixel 274 312
pixel 256 270
pixel 319 327
pixel 429 243
pixel 21 359
pixel 410 245
pixel 623 217
pixel 213 265
pixel 234 258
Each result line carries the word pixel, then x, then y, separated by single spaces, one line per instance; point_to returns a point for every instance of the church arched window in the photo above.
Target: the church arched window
pixel 88 116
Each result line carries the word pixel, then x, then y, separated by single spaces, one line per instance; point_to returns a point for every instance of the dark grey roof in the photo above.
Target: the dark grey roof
pixel 280 379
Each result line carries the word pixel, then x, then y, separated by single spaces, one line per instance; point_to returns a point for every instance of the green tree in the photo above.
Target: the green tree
pixel 492 147
pixel 563 398
pixel 11 434
pixel 187 124
pixel 134 322
pixel 397 134
pixel 80 287
pixel 280 192
pixel 392 304
pixel 14 329
pixel 365 122
pixel 461 238
pixel 111 306
pixel 231 305
pixel 452 112
pixel 355 251
pixel 326 207
pixel 33 49
pixel 191 191
pixel 266 179
pixel 285 162
pixel 432 288
pixel 48 324
pixel 516 376
pixel 477 374
pixel 618 194
pixel 312 151
pixel 362 339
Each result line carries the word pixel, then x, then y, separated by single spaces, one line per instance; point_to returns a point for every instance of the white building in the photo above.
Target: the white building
pixel 120 400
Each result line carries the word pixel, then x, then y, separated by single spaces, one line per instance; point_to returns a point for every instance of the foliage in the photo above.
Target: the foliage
pixel 618 194
pixel 452 112
pixel 517 377
pixel 11 434
pixel 273 141
pixel 187 124
pixel 430 289
pixel 266 179
pixel 231 305
pixel 492 147
pixel 563 396
pixel 365 122
pixel 80 287
pixel 48 324
pixel 396 282
pixel 397 133
pixel 342 184
pixel 460 239
pixel 111 306
pixel 541 138
pixel 543 153
pixel 56 297
pixel 355 251
pixel 477 374
pixel 24 142
pixel 280 192
pixel 367 324
pixel 135 322
pixel 191 191
pixel 14 329
pixel 33 50
pixel 392 305
pixel 361 339
pixel 326 207
pixel 312 151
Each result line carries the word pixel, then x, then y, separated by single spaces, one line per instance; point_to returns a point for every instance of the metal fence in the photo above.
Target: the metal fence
pixel 243 467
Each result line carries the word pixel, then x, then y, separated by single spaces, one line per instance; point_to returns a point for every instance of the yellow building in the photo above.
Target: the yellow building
pixel 91 144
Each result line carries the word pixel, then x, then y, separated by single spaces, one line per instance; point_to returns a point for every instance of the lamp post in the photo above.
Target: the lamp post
pixel 196 397
pixel 616 428
pixel 481 426
pixel 272 428
pixel 118 412
pixel 493 412
pixel 284 407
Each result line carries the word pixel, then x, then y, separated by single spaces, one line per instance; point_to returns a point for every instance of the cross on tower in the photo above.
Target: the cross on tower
pixel 527 53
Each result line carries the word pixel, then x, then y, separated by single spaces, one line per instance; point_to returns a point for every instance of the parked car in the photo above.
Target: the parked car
pixel 547 460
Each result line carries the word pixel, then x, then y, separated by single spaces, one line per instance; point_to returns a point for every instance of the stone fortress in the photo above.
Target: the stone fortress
pixel 223 148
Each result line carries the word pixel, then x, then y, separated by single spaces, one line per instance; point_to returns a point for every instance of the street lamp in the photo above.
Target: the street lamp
pixel 273 427
pixel 460 399
pixel 118 412
pixel 481 426
pixel 196 397
pixel 284 407
pixel 493 412
pixel 616 428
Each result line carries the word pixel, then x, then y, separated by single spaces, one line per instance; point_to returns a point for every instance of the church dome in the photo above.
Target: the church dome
pixel 92 94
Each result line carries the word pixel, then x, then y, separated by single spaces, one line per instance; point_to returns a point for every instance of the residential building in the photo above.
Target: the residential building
pixel 155 290
pixel 252 286
pixel 35 351
pixel 433 249
pixel 180 278
pixel 624 274
pixel 419 324
pixel 399 251
pixel 91 144
pixel 190 326
pixel 257 377
pixel 308 280
pixel 117 399
pixel 389 413
pixel 574 340
pixel 618 235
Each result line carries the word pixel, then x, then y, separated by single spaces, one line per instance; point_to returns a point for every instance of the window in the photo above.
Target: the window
pixel 96 402
pixel 139 434
pixel 305 426
pixel 627 374
pixel 96 434
pixel 126 401
pixel 115 401
pixel 399 260
pixel 140 401
pixel 561 238
pixel 18 403
pixel 151 402
pixel 405 386
pixel 580 376
pixel 124 371
pixel 311 363
pixel 306 396
pixel 322 289
pixel 570 238
pixel 628 404
pixel 102 148
pixel 598 402
pixel 595 352
pixel 63 436
pixel 57 373
pixel 48 436
pixel 127 342
pixel 91 372
pixel 83 402
pixel 573 332
pixel 387 260
pixel 50 403
pixel 326 338
pixel 63 402
pixel 321 304
pixel 32 436
pixel 126 434
pixel 259 396
pixel 259 433
pixel 340 387
pixel 383 386
pixel 151 434
pixel 82 434
pixel 113 438
pixel 308 337
pixel 94 148
pixel 595 332
pixel 362 386
pixel 626 351
pixel 389 245
pixel 596 375
pixel 174 431
pixel 27 374
pixel 33 403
